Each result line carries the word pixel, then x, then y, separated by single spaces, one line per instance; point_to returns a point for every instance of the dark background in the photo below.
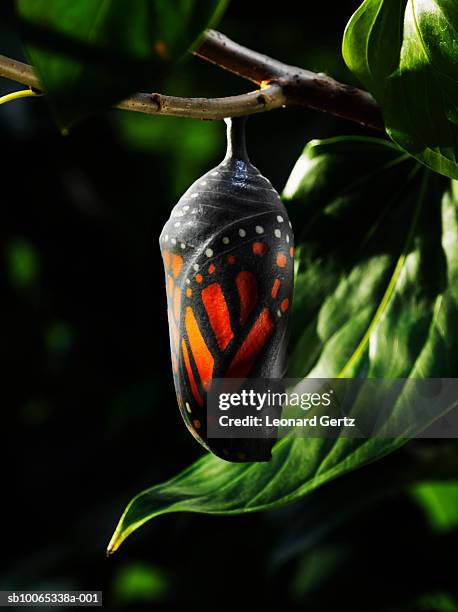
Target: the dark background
pixel 89 415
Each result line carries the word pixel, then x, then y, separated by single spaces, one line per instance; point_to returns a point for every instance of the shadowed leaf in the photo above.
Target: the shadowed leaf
pixel 91 54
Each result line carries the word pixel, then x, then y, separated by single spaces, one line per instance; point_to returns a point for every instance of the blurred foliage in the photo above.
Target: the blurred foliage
pixel 22 262
pixel 439 502
pixel 139 582
pixel 88 400
pixel 187 146
pixel 92 53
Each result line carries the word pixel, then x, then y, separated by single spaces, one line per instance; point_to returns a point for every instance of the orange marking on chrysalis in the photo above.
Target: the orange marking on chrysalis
pixel 166 258
pixel 245 358
pixel 259 248
pixel 275 288
pixel 176 302
pixel 170 286
pixel 196 423
pixel 188 292
pixel 199 278
pixel 284 305
pixel 177 263
pixel 202 356
pixel 291 252
pixel 192 380
pixel 211 268
pixel 218 314
pixel 281 260
pixel 230 259
pixel 248 294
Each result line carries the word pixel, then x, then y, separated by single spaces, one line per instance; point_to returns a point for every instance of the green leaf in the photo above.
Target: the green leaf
pixel 406 54
pixel 91 54
pixel 376 293
pixel 439 501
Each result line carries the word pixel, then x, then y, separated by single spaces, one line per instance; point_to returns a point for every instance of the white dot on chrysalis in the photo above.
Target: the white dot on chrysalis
pixel 289 223
pixel 208 252
pixel 183 245
pixel 259 229
pixel 215 173
pixel 194 195
pixel 186 207
pixel 278 314
pixel 188 281
pixel 280 219
pixel 173 241
pixel 177 224
pixel 166 237
pixel 287 238
pixel 226 240
pixel 203 183
pixel 188 407
pixel 242 233
pixel 196 267
pixel 277 233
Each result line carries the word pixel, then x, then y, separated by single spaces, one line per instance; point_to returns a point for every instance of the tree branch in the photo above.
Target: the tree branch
pixel 301 87
pixel 268 98
pixel 280 85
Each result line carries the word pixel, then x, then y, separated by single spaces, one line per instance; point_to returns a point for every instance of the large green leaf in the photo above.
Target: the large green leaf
pixel 90 54
pixel 406 53
pixel 376 292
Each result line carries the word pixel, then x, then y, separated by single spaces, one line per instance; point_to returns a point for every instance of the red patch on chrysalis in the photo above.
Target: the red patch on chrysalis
pixel 275 288
pixel 284 305
pixel 192 380
pixel 248 294
pixel 218 314
pixel 259 248
pixel 199 349
pixel 246 356
pixel 281 260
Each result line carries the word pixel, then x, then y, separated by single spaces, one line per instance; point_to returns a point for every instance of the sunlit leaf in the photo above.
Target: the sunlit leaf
pixel 406 54
pixel 376 293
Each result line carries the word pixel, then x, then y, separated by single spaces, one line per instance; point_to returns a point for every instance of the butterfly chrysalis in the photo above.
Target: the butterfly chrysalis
pixel 228 252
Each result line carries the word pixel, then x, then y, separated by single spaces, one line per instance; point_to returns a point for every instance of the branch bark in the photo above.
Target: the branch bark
pixel 301 87
pixel 280 85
